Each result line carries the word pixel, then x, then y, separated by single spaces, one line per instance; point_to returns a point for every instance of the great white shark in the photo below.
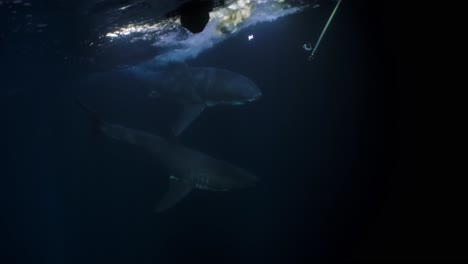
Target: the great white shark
pixel 194 88
pixel 189 169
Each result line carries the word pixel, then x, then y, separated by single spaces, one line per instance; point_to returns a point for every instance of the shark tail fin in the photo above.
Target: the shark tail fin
pixel 95 119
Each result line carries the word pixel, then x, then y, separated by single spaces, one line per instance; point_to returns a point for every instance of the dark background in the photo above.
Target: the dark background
pixel 331 139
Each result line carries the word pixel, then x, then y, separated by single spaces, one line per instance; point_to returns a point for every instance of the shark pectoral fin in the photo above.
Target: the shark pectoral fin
pixel 177 191
pixel 187 116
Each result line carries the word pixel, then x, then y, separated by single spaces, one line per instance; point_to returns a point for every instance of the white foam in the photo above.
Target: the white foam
pixel 194 44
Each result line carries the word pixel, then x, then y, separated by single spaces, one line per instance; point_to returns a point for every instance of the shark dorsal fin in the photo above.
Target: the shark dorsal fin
pixel 177 191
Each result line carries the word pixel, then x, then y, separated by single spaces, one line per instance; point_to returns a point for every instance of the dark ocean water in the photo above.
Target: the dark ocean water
pixel 322 138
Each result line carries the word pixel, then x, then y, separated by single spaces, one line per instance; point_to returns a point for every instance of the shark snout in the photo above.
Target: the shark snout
pixel 249 180
pixel 255 96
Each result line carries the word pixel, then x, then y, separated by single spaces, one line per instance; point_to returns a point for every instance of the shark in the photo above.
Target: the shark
pixel 196 88
pixel 193 88
pixel 188 169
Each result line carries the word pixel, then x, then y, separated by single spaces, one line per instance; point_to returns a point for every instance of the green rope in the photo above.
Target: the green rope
pixel 311 56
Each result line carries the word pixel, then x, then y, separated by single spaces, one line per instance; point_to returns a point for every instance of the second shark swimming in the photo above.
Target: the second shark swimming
pixel 189 169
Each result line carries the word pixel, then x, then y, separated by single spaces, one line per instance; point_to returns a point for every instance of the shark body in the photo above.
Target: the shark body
pixel 194 88
pixel 189 169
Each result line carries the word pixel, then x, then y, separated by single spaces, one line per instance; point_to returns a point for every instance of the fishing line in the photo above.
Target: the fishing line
pixel 311 56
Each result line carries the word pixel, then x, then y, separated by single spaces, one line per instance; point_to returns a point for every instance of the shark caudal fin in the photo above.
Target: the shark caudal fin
pixel 177 191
